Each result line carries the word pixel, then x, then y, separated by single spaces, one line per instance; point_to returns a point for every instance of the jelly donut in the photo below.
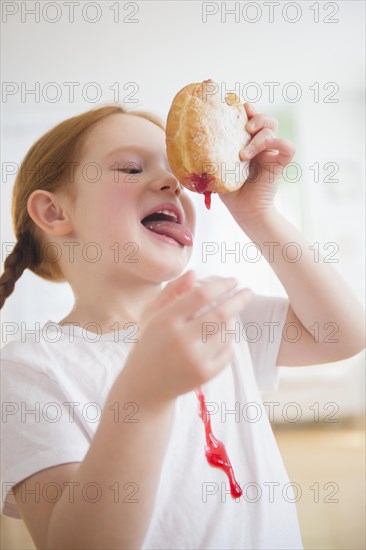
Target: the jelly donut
pixel 204 135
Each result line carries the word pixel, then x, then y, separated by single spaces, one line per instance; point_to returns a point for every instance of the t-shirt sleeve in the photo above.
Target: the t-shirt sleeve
pixel 38 428
pixel 263 321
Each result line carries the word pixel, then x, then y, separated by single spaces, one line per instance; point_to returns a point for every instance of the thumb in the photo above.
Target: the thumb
pixel 172 290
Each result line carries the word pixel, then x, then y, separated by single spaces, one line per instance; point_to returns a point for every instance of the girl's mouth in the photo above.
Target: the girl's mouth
pixel 166 228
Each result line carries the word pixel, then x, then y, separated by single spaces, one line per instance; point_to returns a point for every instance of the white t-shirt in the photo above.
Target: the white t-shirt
pixel 55 384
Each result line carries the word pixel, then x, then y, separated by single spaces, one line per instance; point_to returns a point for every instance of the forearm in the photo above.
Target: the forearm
pixel 124 462
pixel 316 291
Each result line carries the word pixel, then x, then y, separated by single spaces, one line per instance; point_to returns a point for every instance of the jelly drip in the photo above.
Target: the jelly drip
pixel 201 181
pixel 215 451
pixel 207 195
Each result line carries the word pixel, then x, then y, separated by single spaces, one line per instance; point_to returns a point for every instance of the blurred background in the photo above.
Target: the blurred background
pixel 302 62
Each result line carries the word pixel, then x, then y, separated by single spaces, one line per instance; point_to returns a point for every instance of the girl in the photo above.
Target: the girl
pixel 103 446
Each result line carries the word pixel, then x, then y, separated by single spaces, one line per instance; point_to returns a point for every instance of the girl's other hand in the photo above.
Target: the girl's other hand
pixel 171 356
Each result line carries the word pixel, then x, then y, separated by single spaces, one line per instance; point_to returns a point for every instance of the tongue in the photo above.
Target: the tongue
pixel 173 230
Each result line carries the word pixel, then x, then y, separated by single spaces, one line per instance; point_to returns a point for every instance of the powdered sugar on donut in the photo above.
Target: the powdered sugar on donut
pixel 226 137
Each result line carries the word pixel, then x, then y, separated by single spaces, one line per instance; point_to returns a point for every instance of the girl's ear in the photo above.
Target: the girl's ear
pixel 49 212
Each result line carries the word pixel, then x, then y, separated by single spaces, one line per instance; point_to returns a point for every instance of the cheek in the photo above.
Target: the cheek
pixel 106 211
pixel 116 208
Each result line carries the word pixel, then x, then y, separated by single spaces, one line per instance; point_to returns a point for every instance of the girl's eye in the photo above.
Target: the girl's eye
pixel 130 170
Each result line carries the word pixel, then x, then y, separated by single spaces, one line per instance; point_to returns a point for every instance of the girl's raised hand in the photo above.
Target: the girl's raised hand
pixel 268 156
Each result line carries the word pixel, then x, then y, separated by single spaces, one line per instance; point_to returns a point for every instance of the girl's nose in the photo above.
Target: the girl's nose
pixel 168 181
pixel 174 186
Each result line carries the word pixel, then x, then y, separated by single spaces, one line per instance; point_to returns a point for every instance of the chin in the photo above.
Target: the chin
pixel 167 270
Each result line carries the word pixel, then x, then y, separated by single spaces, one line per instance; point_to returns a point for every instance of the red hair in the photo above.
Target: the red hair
pixel 45 167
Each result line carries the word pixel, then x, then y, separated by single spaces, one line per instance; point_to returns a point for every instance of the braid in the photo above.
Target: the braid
pixel 22 256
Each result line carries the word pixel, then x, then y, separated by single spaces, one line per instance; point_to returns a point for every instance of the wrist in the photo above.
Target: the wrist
pixel 255 222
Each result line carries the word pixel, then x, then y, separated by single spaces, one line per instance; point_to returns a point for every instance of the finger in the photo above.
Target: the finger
pixel 181 284
pixel 227 307
pixel 250 110
pixel 285 149
pixel 257 144
pixel 185 306
pixel 171 291
pixel 210 278
pixel 259 121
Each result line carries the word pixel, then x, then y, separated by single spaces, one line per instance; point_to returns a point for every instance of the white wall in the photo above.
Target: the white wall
pixel 168 47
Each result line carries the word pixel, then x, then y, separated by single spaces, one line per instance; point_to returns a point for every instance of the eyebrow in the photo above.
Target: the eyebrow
pixel 137 149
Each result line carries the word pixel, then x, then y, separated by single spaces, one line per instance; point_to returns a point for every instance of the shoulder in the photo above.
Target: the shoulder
pixel 24 352
pixel 34 348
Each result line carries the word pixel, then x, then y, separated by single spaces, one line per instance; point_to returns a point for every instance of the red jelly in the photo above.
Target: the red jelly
pixel 207 195
pixel 215 450
pixel 201 181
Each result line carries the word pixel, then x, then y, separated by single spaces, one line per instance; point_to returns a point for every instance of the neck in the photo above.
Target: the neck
pixel 109 307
